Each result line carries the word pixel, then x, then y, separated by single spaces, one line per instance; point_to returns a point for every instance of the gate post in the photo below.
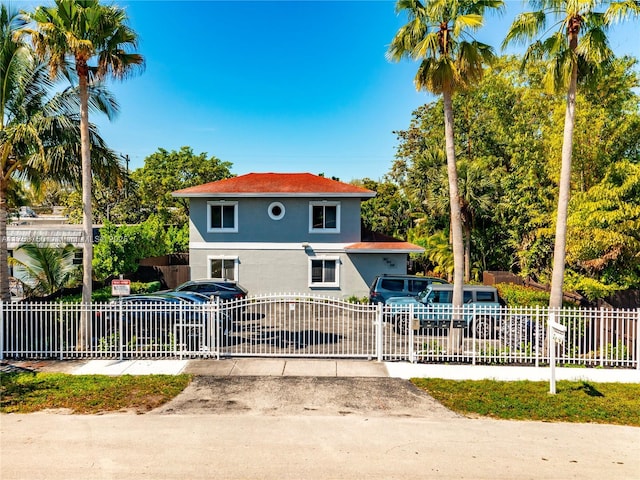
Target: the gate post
pixel 2 331
pixel 218 324
pixel 379 332
pixel 410 334
pixel 638 339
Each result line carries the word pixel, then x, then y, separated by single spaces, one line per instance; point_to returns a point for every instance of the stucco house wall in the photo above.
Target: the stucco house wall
pixel 269 253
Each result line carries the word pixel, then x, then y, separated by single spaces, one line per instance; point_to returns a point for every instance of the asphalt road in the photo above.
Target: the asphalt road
pixel 308 428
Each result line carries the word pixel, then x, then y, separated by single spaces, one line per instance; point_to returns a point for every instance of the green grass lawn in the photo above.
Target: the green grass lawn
pixel 581 402
pixel 25 392
pixel 584 402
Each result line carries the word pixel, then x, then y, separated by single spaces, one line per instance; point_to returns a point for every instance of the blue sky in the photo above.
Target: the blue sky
pixel 297 86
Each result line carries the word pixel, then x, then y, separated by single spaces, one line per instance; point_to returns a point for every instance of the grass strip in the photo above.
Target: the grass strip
pixel 26 392
pixel 579 402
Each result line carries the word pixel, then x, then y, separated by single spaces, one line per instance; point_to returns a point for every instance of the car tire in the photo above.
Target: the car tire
pixel 400 324
pixel 483 327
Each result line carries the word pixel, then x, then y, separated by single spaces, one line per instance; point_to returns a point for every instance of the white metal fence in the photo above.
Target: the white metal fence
pixel 300 325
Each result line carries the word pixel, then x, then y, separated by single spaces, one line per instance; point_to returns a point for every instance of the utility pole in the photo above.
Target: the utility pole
pixel 126 180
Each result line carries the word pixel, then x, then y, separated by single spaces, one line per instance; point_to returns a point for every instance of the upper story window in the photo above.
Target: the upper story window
pixel 222 216
pixel 324 217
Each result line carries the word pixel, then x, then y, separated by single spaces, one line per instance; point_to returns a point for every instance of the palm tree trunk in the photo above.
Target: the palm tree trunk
pixel 454 201
pixel 87 214
pixel 559 250
pixel 455 334
pixel 5 294
pixel 467 253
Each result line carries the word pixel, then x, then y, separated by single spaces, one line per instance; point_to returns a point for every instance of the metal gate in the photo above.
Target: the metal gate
pixel 295 325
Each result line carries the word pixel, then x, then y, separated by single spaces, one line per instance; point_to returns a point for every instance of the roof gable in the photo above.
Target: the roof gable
pixel 276 184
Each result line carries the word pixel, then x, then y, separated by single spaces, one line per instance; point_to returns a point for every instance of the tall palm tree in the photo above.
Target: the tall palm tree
pixel 14 59
pixel 438 34
pixel 577 44
pixel 94 42
pixel 39 127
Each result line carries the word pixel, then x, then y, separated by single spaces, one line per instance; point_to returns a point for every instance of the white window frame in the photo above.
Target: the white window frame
pixel 222 203
pixel 335 283
pixel 274 216
pixel 324 203
pixel 236 263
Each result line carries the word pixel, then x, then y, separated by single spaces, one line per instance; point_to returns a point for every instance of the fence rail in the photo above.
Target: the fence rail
pixel 301 325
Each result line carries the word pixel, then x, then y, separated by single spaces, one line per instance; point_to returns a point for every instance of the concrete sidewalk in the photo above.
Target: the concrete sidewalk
pixel 295 367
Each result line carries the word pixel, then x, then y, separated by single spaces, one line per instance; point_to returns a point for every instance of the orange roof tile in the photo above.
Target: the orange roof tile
pixel 272 184
pixel 379 247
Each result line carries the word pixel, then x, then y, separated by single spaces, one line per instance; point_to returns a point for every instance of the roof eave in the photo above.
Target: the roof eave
pixel 272 195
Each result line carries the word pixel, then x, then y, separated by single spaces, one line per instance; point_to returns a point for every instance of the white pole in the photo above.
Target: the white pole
pixel 380 331
pixel 552 354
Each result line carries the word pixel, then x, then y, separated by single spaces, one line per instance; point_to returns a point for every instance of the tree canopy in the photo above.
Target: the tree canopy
pixel 165 172
pixel 508 142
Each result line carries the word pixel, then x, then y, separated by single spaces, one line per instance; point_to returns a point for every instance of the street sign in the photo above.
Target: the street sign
pixel 120 288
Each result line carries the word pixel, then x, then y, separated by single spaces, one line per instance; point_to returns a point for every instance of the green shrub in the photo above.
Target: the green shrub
pixel 104 294
pixel 520 296
pixel 356 299
pixel 140 287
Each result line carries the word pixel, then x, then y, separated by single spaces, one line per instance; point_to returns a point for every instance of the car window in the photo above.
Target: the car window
pixel 467 297
pixel 485 297
pixel 417 286
pixel 188 288
pixel 440 296
pixel 207 287
pixel 392 284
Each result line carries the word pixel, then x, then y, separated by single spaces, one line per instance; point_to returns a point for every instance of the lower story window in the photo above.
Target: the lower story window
pixel 223 268
pixel 324 272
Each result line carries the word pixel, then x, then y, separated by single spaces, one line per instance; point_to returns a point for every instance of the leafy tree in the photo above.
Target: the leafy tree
pixel 435 34
pixel 39 129
pixel 47 269
pixel 92 41
pixel 388 212
pixel 604 233
pixel 121 247
pixel 509 132
pixel 165 172
pixel 579 43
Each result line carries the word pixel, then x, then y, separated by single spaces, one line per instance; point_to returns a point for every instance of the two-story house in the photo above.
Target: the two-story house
pixel 288 233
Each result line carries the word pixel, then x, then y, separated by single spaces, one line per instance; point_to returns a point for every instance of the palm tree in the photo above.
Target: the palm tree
pixel 39 128
pixel 47 269
pixel 437 33
pixel 577 44
pixel 94 42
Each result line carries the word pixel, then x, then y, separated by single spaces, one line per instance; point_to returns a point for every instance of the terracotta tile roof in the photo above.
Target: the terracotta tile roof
pixel 374 242
pixel 377 247
pixel 272 184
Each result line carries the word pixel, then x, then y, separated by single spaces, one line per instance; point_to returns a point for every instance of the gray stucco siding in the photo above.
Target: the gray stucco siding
pixel 369 265
pixel 287 271
pixel 255 224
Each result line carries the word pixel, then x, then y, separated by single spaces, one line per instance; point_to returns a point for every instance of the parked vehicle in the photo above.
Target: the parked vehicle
pixel 387 286
pixel 225 289
pixel 433 308
pixel 162 321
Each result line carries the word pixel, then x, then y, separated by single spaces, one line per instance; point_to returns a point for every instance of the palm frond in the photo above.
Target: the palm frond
pixel 525 27
pixel 619 11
